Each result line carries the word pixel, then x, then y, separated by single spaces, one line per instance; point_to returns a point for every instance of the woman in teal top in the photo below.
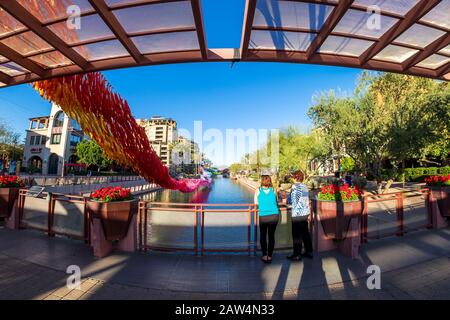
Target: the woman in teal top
pixel 266 201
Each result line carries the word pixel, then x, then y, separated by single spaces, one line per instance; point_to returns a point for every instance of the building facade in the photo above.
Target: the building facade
pixel 162 133
pixel 186 156
pixel 51 142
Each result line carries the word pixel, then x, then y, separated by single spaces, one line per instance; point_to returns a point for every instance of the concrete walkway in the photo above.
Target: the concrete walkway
pixel 32 266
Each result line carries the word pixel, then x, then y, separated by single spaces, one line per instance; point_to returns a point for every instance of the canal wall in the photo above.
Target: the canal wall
pixel 251 184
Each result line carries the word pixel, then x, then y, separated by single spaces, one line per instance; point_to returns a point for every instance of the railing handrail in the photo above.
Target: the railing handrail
pixel 199 204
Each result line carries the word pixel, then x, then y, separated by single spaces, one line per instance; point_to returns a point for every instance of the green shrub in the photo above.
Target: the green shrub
pixel 413 174
pixel 444 170
pixel 430 171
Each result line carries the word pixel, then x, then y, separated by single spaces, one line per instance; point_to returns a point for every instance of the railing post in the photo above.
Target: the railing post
pixel 21 203
pixel 255 221
pixel 400 217
pixel 196 231
pixel 249 229
pixel 429 205
pixel 51 209
pixel 145 227
pixel 202 217
pixel 365 221
pixel 139 225
pixel 86 222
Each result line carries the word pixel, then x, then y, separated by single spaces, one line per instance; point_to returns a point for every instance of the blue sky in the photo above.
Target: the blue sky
pixel 247 95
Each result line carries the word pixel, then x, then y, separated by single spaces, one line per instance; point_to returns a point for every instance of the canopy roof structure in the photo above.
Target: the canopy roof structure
pixel 41 39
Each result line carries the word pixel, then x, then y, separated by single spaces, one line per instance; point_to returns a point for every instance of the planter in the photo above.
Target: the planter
pixel 442 197
pixel 115 216
pixel 8 197
pixel 336 217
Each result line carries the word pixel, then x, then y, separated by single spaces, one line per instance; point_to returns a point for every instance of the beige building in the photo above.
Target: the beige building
pixel 51 142
pixel 161 132
pixel 186 156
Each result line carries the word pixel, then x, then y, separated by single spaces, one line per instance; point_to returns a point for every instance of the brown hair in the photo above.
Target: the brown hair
pixel 266 181
pixel 299 176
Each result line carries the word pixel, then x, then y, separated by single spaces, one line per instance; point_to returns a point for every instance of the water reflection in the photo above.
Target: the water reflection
pixel 223 190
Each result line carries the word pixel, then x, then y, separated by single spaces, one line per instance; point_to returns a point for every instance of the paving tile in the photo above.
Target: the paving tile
pixel 62 291
pixel 88 284
pixel 74 294
pixel 52 297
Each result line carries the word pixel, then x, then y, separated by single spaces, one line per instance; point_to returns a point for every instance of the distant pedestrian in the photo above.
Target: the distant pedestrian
pixel 299 199
pixel 269 213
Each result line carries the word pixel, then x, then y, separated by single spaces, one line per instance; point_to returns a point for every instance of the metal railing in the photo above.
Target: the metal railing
pixel 198 225
pixel 394 226
pixel 242 217
pixel 59 214
pixel 49 180
pixel 41 214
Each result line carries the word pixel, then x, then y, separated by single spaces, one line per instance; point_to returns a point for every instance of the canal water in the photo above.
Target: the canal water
pixel 222 190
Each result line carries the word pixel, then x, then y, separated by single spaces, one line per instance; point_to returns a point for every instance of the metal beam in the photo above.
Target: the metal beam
pixel 198 17
pixel 329 25
pixel 414 15
pixel 4 78
pixel 110 19
pixel 253 55
pixel 335 60
pixel 249 16
pixel 433 48
pixel 24 62
pixel 30 21
pixel 442 71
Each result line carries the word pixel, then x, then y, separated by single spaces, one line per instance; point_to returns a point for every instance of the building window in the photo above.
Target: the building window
pixel 58 120
pixel 33 124
pixel 56 138
pixel 41 124
pixel 74 140
pixel 32 139
pixel 75 125
pixel 43 140
pixel 37 141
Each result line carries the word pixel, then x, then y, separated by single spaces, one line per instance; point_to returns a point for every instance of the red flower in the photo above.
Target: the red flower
pixel 108 194
pixel 11 182
pixel 334 192
pixel 438 181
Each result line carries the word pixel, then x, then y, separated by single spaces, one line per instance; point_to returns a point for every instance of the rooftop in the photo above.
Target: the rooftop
pixel 39 40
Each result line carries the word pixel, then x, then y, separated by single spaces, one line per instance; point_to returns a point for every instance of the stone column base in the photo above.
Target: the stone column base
pixel 348 247
pixel 437 219
pixel 130 242
pixel 103 247
pixel 13 222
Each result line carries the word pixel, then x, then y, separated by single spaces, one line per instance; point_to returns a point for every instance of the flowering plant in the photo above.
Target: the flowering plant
pixel 438 181
pixel 110 194
pixel 11 182
pixel 335 192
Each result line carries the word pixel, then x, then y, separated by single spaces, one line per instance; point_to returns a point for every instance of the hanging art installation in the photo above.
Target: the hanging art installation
pixel 106 117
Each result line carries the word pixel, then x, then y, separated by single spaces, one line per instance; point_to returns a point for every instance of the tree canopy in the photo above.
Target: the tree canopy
pixel 389 117
pixel 90 153
pixel 10 146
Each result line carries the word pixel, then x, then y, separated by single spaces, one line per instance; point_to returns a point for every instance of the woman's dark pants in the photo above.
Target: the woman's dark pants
pixel 267 228
pixel 300 236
